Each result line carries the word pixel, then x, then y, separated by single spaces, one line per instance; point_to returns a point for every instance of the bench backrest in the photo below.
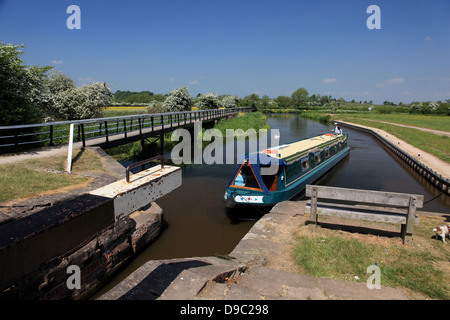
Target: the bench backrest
pixel 365 196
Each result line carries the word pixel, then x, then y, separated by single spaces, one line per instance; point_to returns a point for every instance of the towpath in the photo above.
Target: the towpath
pixel 431 161
pixel 438 132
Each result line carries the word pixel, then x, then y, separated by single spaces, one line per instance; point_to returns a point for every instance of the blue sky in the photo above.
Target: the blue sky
pixel 242 47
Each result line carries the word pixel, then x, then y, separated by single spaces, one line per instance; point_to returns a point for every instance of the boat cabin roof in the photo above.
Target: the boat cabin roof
pixel 288 150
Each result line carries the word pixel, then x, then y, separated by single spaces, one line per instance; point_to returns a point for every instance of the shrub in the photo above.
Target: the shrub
pixel 178 100
pixel 230 102
pixel 84 102
pixel 208 101
pixel 22 93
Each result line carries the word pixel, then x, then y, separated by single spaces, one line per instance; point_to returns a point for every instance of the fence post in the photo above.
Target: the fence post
pixel 70 149
pixel 51 135
pixel 82 135
pixel 106 130
pixel 313 216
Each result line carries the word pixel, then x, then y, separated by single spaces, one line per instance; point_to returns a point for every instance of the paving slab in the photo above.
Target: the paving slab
pixel 173 279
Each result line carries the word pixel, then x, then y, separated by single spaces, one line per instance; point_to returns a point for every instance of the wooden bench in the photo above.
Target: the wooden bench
pixel 379 206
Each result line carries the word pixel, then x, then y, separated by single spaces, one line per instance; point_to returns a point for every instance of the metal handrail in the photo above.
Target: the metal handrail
pixel 141 163
pixel 97 120
pixel 17 135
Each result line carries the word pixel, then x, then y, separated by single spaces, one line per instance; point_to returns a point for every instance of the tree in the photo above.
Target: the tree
pixel 284 102
pixel 22 94
pixel 229 102
pixel 134 97
pixel 178 100
pixel 71 103
pixel 250 101
pixel 299 97
pixel 208 101
pixel 83 102
pixel 443 109
pixel 28 94
pixel 58 82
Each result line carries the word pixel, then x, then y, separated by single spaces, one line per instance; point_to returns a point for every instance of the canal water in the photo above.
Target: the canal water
pixel 198 224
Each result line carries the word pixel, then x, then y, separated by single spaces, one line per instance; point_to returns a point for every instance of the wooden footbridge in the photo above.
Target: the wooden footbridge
pixel 105 132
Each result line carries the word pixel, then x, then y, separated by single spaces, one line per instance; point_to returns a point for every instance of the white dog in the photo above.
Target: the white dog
pixel 442 232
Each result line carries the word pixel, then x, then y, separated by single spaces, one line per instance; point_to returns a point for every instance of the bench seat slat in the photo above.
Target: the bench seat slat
pixel 390 207
pixel 359 213
pixel 365 196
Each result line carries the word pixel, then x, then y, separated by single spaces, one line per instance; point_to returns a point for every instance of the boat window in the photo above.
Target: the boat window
pixel 305 163
pixel 271 182
pixel 327 152
pixel 317 157
pixel 240 179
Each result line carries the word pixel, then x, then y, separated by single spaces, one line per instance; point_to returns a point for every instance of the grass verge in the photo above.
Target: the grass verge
pixel 32 177
pixel 421 267
pixel 435 144
pixel 441 123
pixel 251 120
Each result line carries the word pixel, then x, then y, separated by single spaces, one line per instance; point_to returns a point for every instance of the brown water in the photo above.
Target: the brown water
pixel 197 223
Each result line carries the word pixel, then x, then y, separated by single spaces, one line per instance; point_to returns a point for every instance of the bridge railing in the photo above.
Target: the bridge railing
pixel 19 137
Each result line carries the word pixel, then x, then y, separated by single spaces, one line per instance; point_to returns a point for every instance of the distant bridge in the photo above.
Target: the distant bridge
pixel 105 132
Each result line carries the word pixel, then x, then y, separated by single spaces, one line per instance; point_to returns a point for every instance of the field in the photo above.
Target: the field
pixel 438 145
pixel 394 123
pixel 118 111
pixel 441 123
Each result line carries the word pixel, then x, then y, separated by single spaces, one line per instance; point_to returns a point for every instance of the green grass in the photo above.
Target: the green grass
pixel 33 177
pixel 421 267
pixel 437 145
pixel 324 256
pixel 415 271
pixel 18 182
pixel 323 118
pixel 251 120
pixel 117 112
pixel 441 123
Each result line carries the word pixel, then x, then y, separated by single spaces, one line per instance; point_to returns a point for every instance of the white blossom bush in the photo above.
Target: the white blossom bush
pixel 58 82
pixel 178 100
pixel 208 101
pixel 229 102
pixel 22 90
pixel 155 107
pixel 84 102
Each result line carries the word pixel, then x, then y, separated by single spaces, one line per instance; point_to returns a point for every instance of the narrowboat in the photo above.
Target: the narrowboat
pixel 277 174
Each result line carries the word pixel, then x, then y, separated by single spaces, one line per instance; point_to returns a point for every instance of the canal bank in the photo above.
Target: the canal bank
pixel 83 236
pixel 195 230
pixel 433 169
pixel 226 276
pixel 199 225
pixel 257 269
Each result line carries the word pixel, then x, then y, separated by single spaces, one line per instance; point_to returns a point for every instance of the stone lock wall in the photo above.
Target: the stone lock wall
pixel 97 258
